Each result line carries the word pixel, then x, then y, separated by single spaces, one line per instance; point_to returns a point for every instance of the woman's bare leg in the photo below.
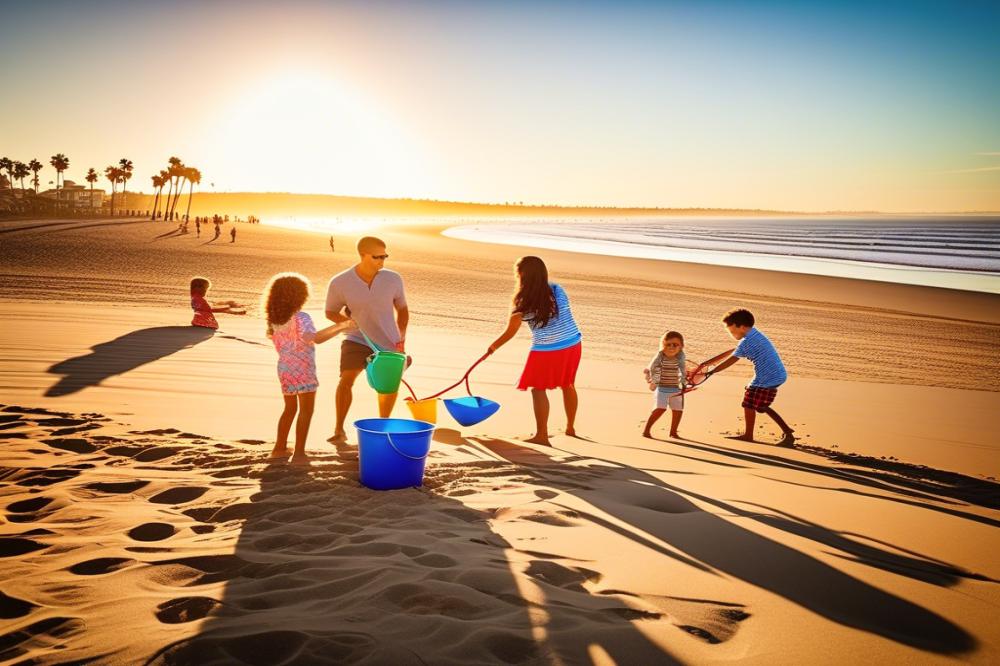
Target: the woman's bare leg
pixel 570 402
pixel 540 403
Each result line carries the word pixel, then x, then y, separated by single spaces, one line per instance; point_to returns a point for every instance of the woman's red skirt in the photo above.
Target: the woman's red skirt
pixel 551 369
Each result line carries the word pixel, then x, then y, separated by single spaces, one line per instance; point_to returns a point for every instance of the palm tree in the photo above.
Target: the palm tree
pixel 165 177
pixel 35 166
pixel 21 171
pixel 157 185
pixel 7 165
pixel 61 163
pixel 194 177
pixel 113 174
pixel 125 165
pixel 176 171
pixel 91 178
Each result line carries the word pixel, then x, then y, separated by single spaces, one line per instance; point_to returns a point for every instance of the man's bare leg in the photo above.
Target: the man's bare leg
pixel 343 404
pixel 386 401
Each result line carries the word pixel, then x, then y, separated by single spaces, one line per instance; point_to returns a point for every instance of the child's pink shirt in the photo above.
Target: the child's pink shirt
pixel 202 312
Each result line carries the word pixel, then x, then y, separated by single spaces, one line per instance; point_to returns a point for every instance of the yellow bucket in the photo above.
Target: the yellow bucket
pixel 423 410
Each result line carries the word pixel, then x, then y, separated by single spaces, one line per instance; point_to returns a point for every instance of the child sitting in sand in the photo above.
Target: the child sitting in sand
pixel 295 336
pixel 203 310
pixel 769 373
pixel 666 376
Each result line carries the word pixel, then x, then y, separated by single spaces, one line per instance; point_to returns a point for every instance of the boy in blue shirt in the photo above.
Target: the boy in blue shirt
pixel 769 373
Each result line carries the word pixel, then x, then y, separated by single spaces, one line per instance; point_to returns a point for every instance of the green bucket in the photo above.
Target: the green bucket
pixel 385 371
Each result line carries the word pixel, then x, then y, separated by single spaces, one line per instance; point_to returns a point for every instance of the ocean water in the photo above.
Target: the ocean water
pixel 956 252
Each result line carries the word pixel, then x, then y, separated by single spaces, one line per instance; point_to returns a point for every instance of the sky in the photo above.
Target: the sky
pixel 807 106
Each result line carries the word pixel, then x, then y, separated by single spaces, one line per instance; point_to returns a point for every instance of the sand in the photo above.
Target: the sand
pixel 141 521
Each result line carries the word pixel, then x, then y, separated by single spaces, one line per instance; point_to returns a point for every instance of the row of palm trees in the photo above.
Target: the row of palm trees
pixel 176 176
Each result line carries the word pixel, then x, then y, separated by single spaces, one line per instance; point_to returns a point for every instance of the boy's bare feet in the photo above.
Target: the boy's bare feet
pixel 787 442
pixel 535 439
pixel 279 453
pixel 338 438
pixel 647 434
pixel 571 432
pixel 741 438
pixel 675 435
pixel 299 460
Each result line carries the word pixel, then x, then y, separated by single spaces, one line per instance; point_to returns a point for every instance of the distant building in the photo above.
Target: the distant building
pixel 78 196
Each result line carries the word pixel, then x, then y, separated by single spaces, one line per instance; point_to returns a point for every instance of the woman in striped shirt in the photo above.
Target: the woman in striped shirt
pixel 556 348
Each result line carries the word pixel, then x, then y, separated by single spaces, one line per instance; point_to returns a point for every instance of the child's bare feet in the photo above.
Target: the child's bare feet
pixel 675 435
pixel 787 442
pixel 571 432
pixel 337 438
pixel 535 439
pixel 299 460
pixel 742 438
pixel 647 434
pixel 279 452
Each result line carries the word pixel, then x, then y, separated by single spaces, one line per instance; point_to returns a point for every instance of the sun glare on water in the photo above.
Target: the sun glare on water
pixel 309 133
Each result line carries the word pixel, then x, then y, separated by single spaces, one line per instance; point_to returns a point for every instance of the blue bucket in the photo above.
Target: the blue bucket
pixel 392 452
pixel 471 410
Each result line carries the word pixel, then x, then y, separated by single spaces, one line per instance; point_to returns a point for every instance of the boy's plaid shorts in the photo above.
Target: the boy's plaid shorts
pixel 759 399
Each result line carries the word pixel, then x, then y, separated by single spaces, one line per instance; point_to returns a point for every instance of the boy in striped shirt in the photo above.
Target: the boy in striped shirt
pixel 769 373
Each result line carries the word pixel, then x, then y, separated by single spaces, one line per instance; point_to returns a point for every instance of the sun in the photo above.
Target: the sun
pixel 308 132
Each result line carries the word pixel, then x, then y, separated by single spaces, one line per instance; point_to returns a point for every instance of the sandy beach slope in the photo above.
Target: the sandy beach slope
pixel 140 522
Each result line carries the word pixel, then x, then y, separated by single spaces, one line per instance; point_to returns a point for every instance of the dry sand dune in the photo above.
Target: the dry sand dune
pixel 141 523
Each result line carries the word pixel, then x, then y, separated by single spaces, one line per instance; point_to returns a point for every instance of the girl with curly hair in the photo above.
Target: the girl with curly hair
pixel 556 343
pixel 294 336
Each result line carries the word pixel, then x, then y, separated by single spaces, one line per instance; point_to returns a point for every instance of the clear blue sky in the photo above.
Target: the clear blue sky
pixel 792 105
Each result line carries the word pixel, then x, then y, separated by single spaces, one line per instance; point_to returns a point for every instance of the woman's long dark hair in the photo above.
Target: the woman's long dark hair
pixel 534 299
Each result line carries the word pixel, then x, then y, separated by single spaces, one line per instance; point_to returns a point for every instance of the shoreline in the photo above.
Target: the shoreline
pixel 986 282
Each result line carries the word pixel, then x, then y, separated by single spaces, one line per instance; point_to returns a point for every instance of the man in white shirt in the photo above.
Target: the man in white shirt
pixel 373 297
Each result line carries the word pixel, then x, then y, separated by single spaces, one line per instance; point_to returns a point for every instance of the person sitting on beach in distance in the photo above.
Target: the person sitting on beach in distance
pixel 203 310
pixel 769 373
pixel 666 376
pixel 295 336
pixel 556 343
pixel 371 296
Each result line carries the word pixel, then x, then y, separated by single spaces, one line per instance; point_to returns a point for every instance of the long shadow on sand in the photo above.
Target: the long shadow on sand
pixel 647 503
pixel 328 572
pixel 123 354
pixel 913 484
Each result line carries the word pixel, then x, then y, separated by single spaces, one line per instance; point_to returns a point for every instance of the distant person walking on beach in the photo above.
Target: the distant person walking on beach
pixel 295 337
pixel 203 311
pixel 197 226
pixel 373 297
pixel 218 230
pixel 556 343
pixel 769 373
pixel 666 375
pixel 232 235
pixel 332 248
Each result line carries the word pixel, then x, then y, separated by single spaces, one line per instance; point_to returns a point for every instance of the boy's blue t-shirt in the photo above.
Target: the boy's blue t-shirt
pixel 769 371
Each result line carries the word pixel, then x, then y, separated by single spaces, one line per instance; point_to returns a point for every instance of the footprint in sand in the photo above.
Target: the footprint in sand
pixel 152 532
pixel 185 609
pixel 100 566
pixel 72 444
pixel 179 495
pixel 12 607
pixel 155 453
pixel 50 631
pixel 14 546
pixel 117 487
pixel 29 505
